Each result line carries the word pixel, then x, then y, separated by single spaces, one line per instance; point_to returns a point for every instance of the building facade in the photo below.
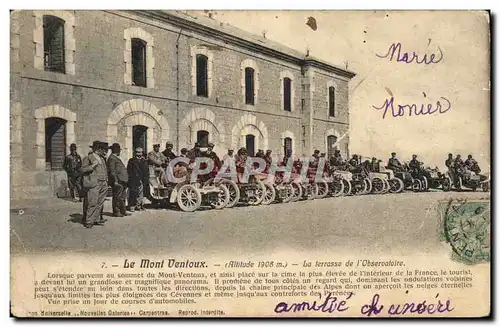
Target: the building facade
pixel 145 77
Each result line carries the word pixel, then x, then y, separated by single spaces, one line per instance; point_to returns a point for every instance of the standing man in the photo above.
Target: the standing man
pixel 137 169
pixel 118 179
pixel 229 157
pixel 72 165
pixel 95 184
pixel 212 155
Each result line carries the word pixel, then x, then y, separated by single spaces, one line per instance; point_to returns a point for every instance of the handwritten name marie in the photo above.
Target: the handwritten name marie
pixel 171 263
pixel 395 52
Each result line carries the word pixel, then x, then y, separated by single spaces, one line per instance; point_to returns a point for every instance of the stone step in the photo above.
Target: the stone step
pixel 31 192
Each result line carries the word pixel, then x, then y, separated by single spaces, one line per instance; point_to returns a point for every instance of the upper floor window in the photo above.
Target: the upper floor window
pixel 331 101
pixel 53 44
pixel 249 86
pixel 287 94
pixel 139 77
pixel 202 75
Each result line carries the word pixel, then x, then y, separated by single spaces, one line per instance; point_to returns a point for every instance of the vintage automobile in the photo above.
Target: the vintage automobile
pixel 409 182
pixel 432 178
pixel 188 195
pixel 396 185
pixel 470 180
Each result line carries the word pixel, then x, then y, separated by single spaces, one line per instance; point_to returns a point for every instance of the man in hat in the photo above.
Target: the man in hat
pixel 72 165
pixel 394 164
pixel 157 161
pixel 229 156
pixel 414 163
pixel 168 153
pixel 354 162
pixel 260 153
pixel 138 171
pixel 184 152
pixel 118 179
pixel 209 153
pixel 195 152
pixel 269 160
pixel 95 184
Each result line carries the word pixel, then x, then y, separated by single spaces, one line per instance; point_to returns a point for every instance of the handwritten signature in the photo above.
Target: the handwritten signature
pixel 408 58
pixel 374 308
pixel 413 109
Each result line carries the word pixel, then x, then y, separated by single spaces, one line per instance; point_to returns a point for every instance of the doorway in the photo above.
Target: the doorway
pixel 55 143
pixel 250 144
pixel 202 138
pixel 140 137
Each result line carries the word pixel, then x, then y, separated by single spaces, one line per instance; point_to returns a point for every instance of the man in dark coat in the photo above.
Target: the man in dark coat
pixel 394 164
pixel 95 184
pixel 118 179
pixel 168 153
pixel 212 155
pixel 72 165
pixel 138 172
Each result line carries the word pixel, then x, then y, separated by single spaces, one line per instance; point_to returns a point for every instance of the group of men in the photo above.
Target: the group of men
pixel 90 177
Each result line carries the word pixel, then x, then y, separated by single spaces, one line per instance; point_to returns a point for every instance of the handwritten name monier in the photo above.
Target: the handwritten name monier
pixel 171 263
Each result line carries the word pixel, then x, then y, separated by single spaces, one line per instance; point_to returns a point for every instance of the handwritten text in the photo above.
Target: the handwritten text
pixel 395 52
pixel 399 110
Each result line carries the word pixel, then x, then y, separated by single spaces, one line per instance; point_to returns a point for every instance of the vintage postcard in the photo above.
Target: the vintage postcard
pixel 250 163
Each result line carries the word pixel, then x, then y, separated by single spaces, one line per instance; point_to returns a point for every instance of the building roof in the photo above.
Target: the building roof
pixel 226 32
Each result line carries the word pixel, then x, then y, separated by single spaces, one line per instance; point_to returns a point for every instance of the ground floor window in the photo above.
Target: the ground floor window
pixel 55 143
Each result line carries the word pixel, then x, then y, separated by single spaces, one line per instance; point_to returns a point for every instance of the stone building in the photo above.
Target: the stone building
pixel 145 77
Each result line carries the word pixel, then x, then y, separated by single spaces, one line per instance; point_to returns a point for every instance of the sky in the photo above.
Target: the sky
pixel 361 39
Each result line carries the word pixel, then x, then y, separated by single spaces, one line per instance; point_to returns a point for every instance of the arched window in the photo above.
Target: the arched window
pixel 202 75
pixel 55 143
pixel 287 94
pixel 53 44
pixel 249 86
pixel 202 138
pixel 332 145
pixel 250 144
pixel 331 101
pixel 287 148
pixel 139 77
pixel 140 137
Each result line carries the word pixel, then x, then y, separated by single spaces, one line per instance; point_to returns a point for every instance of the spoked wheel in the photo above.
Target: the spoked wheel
pixel 222 198
pixel 416 185
pixel 269 194
pixel 387 186
pixel 234 192
pixel 347 187
pixel 337 187
pixel 396 185
pixel 446 183
pixel 320 190
pixel 258 195
pixel 425 183
pixel 188 198
pixel 378 185
pixel 285 192
pixel 296 192
pixel 368 186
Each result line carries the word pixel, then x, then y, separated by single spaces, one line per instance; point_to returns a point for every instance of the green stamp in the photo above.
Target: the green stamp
pixel 466 227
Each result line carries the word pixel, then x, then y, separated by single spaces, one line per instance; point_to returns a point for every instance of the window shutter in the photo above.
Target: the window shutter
pixel 53 39
pixel 287 94
pixel 249 86
pixel 331 101
pixel 139 62
pixel 202 76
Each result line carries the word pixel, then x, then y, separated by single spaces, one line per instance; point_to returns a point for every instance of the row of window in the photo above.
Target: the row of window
pixel 54 60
